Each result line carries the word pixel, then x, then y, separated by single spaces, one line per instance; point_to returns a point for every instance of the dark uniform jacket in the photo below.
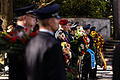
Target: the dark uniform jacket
pixel 1 29
pixel 16 59
pixel 44 58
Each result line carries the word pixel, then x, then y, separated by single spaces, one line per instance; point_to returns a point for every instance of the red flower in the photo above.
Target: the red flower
pixel 66 58
pixel 85 41
pixel 33 34
pixel 23 40
pixel 86 38
pixel 13 39
pixel 11 33
pixel 83 52
pixel 26 29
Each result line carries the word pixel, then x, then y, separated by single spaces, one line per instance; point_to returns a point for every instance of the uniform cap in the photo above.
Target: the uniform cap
pixel 63 22
pixel 86 27
pixel 25 10
pixel 48 11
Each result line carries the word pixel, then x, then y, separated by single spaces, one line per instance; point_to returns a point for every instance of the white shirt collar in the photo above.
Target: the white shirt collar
pixel 44 30
pixel 21 26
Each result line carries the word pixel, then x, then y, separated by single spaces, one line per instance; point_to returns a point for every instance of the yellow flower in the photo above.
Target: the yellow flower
pixel 97 47
pixel 100 35
pixel 65 47
pixel 68 51
pixel 102 42
pixel 63 43
pixel 93 33
pixel 95 41
pixel 43 4
pixel 68 46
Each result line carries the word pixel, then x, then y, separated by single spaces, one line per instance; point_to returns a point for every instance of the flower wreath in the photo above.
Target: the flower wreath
pixel 66 51
pixel 11 40
pixel 81 40
pixel 98 42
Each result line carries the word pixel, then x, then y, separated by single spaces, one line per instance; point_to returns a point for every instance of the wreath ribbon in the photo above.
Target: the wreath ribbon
pixel 104 62
pixel 92 58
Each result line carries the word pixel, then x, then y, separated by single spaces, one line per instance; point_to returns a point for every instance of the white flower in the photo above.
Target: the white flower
pixel 6 68
pixel 88 40
pixel 81 33
pixel 81 28
pixel 20 34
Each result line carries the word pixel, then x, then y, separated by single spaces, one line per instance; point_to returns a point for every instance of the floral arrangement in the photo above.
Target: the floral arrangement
pixel 81 40
pixel 98 42
pixel 62 37
pixel 10 42
pixel 79 47
pixel 66 48
pixel 66 51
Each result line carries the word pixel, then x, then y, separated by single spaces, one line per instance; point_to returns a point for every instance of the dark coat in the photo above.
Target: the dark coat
pixel 16 59
pixel 44 58
pixel 115 61
pixel 1 29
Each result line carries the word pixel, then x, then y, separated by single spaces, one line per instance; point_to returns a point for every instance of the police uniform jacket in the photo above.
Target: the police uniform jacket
pixel 44 58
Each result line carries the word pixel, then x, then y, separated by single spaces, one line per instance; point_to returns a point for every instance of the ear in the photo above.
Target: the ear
pixel 50 22
pixel 24 17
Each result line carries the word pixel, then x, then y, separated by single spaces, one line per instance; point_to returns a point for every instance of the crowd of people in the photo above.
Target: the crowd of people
pixel 42 46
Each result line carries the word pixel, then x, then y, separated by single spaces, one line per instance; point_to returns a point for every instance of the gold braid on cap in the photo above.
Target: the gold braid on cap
pixel 42 3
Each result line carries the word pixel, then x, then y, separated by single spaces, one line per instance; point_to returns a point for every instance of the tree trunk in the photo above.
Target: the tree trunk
pixel 116 17
pixel 6 12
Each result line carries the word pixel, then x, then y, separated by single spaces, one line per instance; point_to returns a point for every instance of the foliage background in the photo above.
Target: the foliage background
pixel 77 8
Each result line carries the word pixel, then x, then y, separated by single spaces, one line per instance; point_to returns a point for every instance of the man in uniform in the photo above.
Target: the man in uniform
pixel 64 37
pixel 86 69
pixel 16 58
pixel 73 31
pixel 61 33
pixel 26 19
pixel 44 59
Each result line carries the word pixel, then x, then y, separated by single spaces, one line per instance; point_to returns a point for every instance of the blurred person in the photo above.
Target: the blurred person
pixel 69 26
pixel 73 31
pixel 1 29
pixel 25 20
pixel 44 59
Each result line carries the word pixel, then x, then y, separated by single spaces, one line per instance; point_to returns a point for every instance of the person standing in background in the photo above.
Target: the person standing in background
pixel 86 69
